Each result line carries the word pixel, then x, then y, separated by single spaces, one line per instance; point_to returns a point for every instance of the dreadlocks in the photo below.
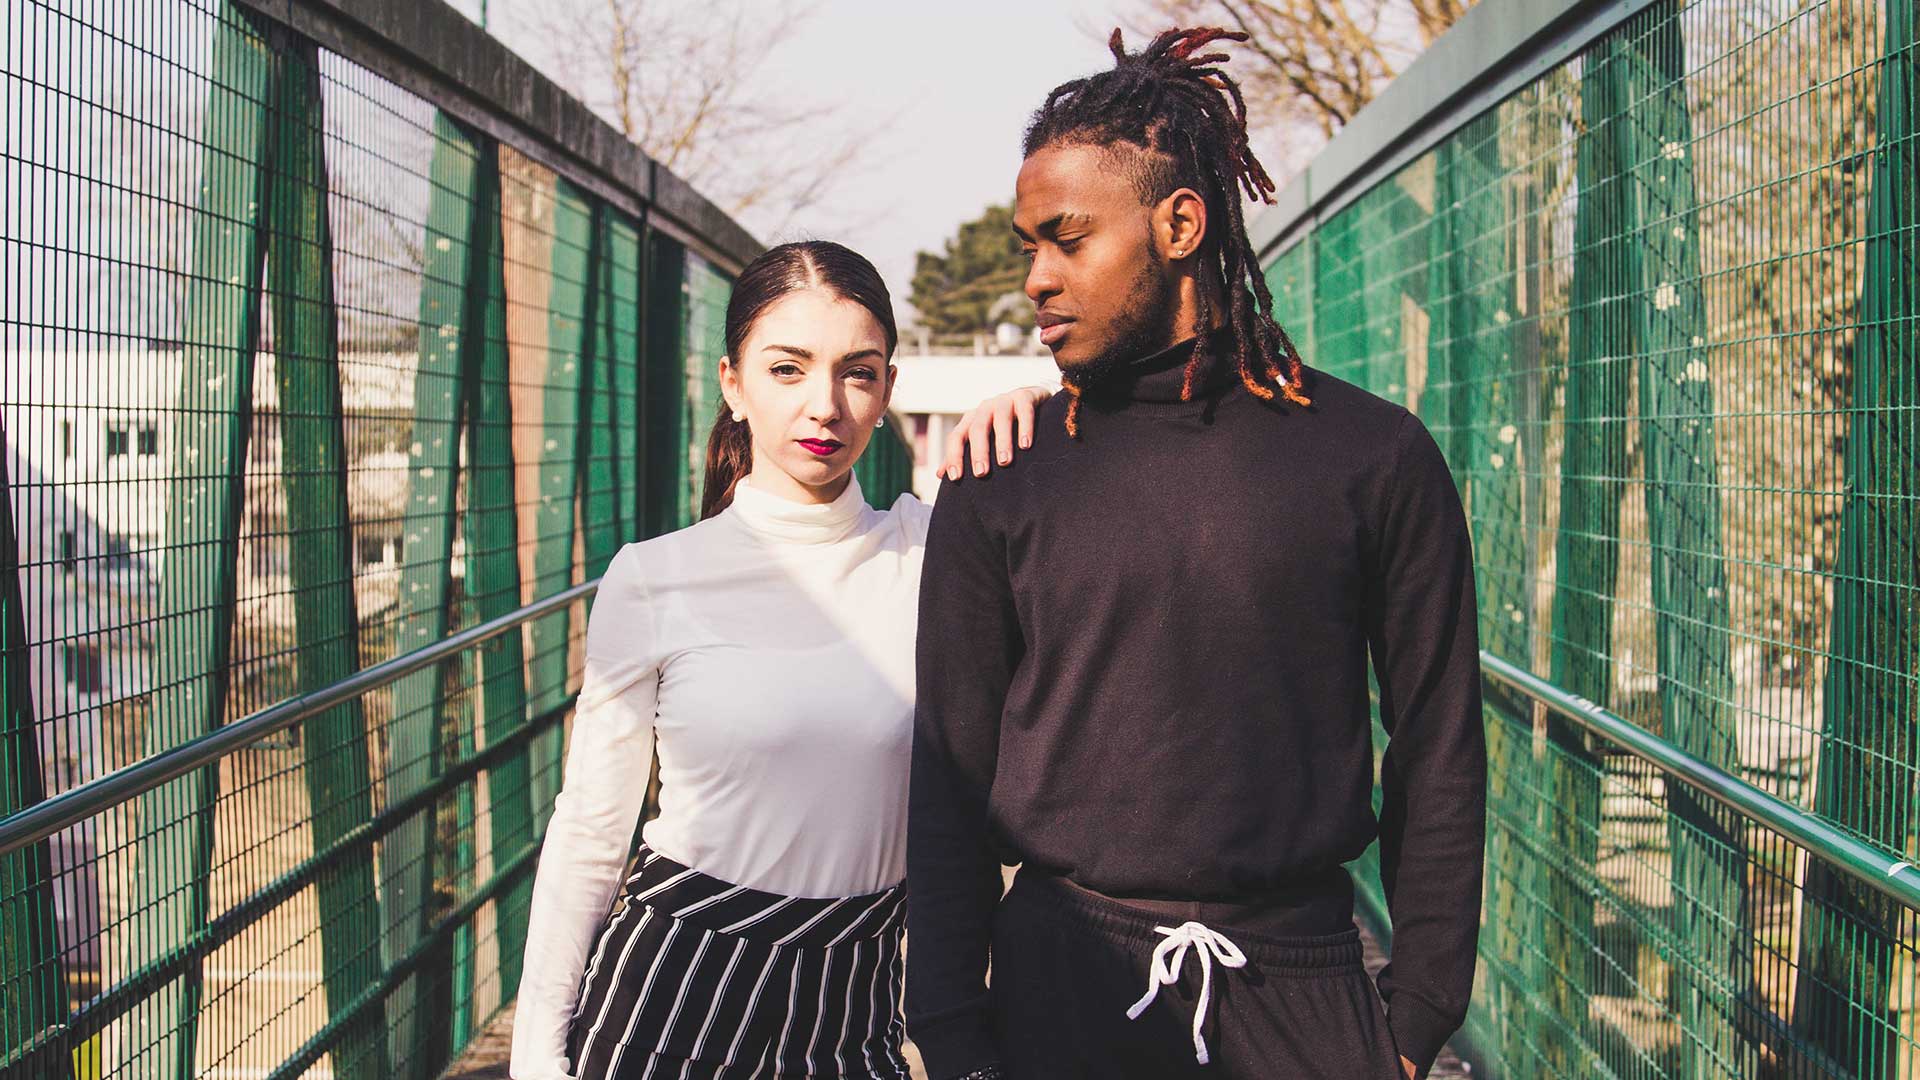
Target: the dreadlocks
pixel 1189 122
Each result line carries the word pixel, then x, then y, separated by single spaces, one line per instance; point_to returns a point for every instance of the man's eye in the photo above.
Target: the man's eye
pixel 1067 247
pixel 1027 253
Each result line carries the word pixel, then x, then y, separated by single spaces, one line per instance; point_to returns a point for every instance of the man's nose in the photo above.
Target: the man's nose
pixel 1042 281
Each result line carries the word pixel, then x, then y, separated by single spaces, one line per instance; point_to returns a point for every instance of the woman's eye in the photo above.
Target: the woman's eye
pixel 863 374
pixel 786 369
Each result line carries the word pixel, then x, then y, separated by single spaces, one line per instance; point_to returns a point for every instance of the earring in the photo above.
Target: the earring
pixel 737 417
pixel 880 423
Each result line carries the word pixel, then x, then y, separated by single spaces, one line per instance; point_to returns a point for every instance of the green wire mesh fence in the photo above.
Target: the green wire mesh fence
pixel 1660 306
pixel 308 365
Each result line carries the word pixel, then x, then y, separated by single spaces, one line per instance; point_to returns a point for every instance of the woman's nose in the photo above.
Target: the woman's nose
pixel 823 402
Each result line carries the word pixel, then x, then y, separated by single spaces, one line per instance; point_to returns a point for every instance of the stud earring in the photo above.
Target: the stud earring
pixel 880 423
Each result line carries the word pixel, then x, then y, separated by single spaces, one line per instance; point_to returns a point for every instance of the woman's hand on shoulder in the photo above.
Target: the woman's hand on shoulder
pixel 1004 419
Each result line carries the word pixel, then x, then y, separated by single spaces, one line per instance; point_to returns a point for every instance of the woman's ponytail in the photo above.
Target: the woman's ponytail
pixel 729 459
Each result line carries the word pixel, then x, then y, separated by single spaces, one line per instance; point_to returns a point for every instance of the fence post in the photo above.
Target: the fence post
pixel 314 465
pixel 1708 843
pixel 1870 723
pixel 663 459
pixel 33 994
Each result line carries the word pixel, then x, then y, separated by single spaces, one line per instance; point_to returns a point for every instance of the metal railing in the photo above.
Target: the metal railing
pixel 342 352
pixel 1645 270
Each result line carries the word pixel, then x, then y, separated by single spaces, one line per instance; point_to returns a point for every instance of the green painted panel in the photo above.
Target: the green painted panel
pixel 220 327
pixel 625 360
pixel 603 445
pixel 664 432
pixel 492 571
pixel 449 321
pixel 704 340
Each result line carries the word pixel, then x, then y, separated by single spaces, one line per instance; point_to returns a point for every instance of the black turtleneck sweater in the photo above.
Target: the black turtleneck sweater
pixel 1143 665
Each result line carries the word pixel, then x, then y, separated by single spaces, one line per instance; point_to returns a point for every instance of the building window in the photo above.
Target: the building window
pixel 373 550
pixel 83 668
pixel 119 553
pixel 66 440
pixel 149 440
pixel 69 553
pixel 117 440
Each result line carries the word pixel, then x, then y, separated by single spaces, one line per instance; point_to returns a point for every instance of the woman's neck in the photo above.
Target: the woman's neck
pixel 781 484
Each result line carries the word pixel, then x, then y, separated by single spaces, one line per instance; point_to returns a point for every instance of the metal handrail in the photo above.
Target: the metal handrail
pixel 45 818
pixel 1881 871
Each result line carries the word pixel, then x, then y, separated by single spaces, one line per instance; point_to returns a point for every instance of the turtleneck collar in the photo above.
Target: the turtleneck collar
pixel 806 523
pixel 1157 378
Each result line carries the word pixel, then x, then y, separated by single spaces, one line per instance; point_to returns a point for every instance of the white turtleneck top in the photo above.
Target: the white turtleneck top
pixel 768 653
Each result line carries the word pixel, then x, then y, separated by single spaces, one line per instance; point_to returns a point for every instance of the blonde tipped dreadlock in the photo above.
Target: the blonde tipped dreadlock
pixel 1189 121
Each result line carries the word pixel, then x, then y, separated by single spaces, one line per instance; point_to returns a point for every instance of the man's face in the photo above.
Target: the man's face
pixel 1101 294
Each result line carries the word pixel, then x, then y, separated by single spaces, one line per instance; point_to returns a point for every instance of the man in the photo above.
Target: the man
pixel 1143 654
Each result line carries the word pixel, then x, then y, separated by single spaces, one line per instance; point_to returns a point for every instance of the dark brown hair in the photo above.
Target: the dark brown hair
pixel 779 272
pixel 1185 123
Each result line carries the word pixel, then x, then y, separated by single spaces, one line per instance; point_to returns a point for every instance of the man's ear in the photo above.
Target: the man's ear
pixel 1180 225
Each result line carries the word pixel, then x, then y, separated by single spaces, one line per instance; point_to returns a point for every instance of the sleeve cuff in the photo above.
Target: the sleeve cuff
pixel 1418 1031
pixel 956 1044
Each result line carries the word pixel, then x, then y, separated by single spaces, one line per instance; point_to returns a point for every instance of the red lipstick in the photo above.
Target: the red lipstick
pixel 820 447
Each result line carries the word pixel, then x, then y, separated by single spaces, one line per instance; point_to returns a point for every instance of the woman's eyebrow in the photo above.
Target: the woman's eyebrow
pixel 791 350
pixel 862 354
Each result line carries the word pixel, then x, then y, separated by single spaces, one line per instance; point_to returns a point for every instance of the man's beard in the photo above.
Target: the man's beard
pixel 1145 327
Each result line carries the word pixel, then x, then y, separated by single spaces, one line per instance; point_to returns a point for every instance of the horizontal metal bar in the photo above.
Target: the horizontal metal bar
pixel 43 819
pixel 116 1001
pixel 374 996
pixel 1884 872
pixel 1497 47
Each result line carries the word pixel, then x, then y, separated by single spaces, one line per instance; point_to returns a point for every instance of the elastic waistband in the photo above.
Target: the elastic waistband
pixel 1311 927
pixel 699 899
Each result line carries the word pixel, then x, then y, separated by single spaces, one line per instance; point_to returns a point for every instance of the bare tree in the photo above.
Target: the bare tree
pixel 679 79
pixel 1309 66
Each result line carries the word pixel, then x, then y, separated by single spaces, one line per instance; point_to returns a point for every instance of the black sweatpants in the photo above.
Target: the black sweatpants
pixel 1068 962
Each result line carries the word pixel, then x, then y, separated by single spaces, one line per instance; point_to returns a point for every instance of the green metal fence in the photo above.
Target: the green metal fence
pixel 1648 272
pixel 331 331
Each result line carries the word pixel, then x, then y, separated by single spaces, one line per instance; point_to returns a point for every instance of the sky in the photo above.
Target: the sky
pixel 949 88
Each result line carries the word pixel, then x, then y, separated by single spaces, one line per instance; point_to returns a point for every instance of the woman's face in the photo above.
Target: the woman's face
pixel 812 380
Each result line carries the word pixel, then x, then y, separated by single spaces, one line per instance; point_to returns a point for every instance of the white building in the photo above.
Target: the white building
pixel 89 452
pixel 934 391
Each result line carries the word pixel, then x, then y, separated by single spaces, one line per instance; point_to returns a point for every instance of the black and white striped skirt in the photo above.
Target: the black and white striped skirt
pixel 698 978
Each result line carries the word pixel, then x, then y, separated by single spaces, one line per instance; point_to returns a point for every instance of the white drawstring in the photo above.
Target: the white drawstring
pixel 1164 969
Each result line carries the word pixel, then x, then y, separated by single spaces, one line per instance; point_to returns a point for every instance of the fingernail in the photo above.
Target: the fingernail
pixel 1026 441
pixel 1004 458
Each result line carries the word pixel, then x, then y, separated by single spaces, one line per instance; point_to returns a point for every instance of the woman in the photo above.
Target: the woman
pixel 769 648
